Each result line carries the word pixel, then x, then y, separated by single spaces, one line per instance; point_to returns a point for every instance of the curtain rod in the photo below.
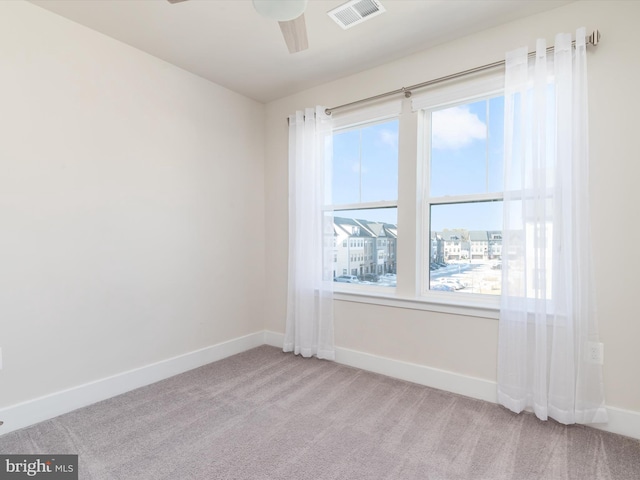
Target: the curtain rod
pixel 592 39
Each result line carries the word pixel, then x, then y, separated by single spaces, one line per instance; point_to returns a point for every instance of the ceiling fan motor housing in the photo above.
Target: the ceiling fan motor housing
pixel 281 10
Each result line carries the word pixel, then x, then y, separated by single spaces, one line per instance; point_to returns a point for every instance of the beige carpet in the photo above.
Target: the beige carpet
pixel 268 415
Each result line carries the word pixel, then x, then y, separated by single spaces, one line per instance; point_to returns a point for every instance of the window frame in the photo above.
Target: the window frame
pixel 363 119
pixel 468 91
pixel 413 212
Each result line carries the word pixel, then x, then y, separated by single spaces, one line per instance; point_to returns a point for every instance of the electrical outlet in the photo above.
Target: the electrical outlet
pixel 595 353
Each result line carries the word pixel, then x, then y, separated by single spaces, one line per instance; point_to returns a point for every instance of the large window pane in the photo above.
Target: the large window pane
pixel 365 164
pixel 346 167
pixel 379 171
pixel 466 148
pixel 366 246
pixel 465 247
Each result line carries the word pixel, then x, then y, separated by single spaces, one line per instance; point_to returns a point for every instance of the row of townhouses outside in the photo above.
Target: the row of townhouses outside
pixel 460 244
pixel 362 247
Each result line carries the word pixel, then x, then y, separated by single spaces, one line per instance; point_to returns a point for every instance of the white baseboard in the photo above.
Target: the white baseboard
pixel 431 377
pixel 623 422
pixel 49 406
pixel 274 339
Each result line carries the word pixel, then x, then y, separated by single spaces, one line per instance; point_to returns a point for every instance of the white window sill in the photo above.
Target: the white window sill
pixel 442 303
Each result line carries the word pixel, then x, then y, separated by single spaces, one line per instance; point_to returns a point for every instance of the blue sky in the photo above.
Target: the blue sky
pixel 467 152
pixel 467 158
pixel 365 164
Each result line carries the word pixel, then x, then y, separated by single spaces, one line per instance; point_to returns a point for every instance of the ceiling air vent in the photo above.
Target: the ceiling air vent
pixel 355 11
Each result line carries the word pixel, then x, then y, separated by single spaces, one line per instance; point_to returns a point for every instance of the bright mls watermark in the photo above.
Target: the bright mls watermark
pixel 51 467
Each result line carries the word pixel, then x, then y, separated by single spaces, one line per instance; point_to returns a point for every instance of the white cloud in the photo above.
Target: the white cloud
pixel 389 137
pixel 456 127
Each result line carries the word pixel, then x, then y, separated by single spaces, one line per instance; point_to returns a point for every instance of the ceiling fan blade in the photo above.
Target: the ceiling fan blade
pixel 295 34
pixel 176 1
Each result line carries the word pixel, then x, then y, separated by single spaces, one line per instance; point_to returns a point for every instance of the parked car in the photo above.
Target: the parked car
pixel 346 279
pixel 452 282
pixel 369 277
pixel 388 280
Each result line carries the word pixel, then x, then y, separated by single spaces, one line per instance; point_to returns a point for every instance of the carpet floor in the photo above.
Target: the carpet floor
pixel 267 415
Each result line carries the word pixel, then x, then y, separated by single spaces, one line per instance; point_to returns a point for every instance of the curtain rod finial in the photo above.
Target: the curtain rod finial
pixel 594 38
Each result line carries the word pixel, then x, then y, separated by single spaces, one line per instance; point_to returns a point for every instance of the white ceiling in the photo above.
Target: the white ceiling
pixel 227 42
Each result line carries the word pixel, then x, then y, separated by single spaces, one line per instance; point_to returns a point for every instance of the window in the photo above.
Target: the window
pixel 462 232
pixel 435 164
pixel 365 201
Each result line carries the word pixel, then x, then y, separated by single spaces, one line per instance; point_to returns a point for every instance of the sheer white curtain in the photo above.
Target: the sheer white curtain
pixel 309 329
pixel 548 315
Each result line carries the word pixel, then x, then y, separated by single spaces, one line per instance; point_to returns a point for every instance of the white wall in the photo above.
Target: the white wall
pixel 125 186
pixel 125 182
pixel 467 345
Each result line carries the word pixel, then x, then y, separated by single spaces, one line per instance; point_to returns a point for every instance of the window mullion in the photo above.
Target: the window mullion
pixel 363 206
pixel 479 197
